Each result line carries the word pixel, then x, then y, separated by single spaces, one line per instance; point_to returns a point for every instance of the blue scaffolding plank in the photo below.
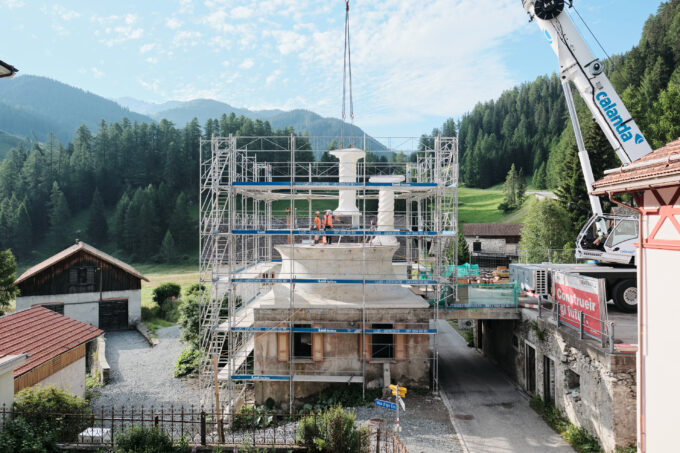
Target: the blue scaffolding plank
pixel 337 233
pixel 331 184
pixel 334 280
pixel 335 330
pixel 259 377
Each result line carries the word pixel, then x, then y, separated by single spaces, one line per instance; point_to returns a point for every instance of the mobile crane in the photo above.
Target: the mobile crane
pixel 578 65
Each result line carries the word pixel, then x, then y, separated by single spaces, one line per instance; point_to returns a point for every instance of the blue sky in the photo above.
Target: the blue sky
pixel 415 63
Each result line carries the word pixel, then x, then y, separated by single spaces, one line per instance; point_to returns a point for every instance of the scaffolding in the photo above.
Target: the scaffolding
pixel 258 198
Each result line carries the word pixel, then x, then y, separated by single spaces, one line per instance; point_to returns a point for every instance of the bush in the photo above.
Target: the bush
pixel 334 431
pixel 187 362
pixel 577 437
pixel 20 436
pixel 189 316
pixel 165 292
pixel 52 409
pixel 143 439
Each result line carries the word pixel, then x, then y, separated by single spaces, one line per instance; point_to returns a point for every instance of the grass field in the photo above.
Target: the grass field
pixel 481 206
pixel 183 275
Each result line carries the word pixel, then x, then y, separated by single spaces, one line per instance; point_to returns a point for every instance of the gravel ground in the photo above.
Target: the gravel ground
pixel 142 375
pixel 426 427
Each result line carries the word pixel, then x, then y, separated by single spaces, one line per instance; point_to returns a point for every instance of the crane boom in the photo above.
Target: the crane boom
pixel 579 66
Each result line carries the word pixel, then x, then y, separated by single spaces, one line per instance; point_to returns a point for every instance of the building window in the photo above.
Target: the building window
pixel 82 276
pixel 382 346
pixel 530 368
pixel 548 380
pixel 477 246
pixel 302 343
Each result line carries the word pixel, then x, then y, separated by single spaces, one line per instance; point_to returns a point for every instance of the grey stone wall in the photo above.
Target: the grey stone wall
pixel 593 388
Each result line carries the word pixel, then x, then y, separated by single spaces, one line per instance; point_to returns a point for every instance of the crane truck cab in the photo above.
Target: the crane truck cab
pixel 608 238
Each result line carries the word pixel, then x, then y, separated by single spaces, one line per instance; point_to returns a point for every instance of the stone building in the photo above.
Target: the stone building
pixel 493 238
pixel 592 386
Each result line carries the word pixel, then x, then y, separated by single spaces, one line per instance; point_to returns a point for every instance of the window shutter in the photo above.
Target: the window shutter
pixel 73 276
pixel 399 343
pixel 317 344
pixel 282 346
pixel 90 275
pixel 366 348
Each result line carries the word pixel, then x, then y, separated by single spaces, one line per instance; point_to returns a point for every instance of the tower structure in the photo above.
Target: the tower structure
pixel 285 314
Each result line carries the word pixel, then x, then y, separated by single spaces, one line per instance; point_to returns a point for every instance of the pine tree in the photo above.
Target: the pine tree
pixel 181 225
pixel 540 180
pixel 546 227
pixel 59 214
pixel 96 223
pixel 463 248
pixel 22 231
pixel 8 269
pixel 510 190
pixel 168 251
pixel 117 230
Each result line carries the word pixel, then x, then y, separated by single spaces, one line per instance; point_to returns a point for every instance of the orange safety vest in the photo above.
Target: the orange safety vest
pixel 317 223
pixel 328 220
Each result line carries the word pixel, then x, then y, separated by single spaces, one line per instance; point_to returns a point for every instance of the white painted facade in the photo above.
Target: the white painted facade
pixel 84 307
pixel 70 378
pixel 7 366
pixel 658 364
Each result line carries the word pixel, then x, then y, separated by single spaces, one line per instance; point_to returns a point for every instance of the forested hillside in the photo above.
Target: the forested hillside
pixel 528 125
pixel 131 189
pixel 32 106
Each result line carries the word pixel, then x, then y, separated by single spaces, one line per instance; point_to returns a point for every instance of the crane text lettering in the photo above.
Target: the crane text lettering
pixel 609 108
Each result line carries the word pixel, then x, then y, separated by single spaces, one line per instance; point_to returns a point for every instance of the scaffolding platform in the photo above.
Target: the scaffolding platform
pixel 275 279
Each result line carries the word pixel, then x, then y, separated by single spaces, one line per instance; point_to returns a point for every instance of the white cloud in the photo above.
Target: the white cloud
pixel 273 76
pixel 147 48
pixel 288 41
pixel 225 63
pixel 12 4
pixel 150 85
pixel 247 63
pixel 151 60
pixel 117 32
pixel 173 23
pixel 186 38
pixel 241 12
pixel 96 73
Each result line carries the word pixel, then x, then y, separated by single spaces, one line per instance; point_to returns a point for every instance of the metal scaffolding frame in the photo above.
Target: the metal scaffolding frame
pixel 241 196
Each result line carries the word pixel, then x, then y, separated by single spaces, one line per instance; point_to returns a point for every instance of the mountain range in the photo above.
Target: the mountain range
pixel 32 106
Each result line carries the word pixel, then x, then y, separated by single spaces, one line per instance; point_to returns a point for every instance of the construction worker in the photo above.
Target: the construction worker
pixel 317 226
pixel 328 225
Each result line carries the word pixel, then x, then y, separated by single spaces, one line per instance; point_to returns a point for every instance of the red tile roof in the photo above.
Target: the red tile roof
pixel 74 249
pixel 42 334
pixel 492 229
pixel 660 168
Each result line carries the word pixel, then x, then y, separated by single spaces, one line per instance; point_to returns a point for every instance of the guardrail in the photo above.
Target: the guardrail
pixel 599 329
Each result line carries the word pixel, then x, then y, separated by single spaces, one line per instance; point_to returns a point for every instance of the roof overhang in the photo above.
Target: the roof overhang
pixel 637 186
pixel 7 70
pixel 9 362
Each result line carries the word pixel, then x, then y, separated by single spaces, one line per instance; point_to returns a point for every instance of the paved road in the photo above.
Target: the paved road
pixel 490 413
pixel 543 195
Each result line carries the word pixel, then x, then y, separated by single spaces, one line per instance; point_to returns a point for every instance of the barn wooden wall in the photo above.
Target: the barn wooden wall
pixel 55 279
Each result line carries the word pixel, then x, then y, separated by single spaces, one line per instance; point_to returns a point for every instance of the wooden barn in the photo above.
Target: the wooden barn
pixel 85 284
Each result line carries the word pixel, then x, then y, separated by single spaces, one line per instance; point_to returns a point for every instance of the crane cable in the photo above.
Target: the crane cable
pixel 347 71
pixel 593 35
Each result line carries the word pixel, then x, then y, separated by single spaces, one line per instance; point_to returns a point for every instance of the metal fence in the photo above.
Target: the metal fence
pixel 98 429
pixel 588 326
